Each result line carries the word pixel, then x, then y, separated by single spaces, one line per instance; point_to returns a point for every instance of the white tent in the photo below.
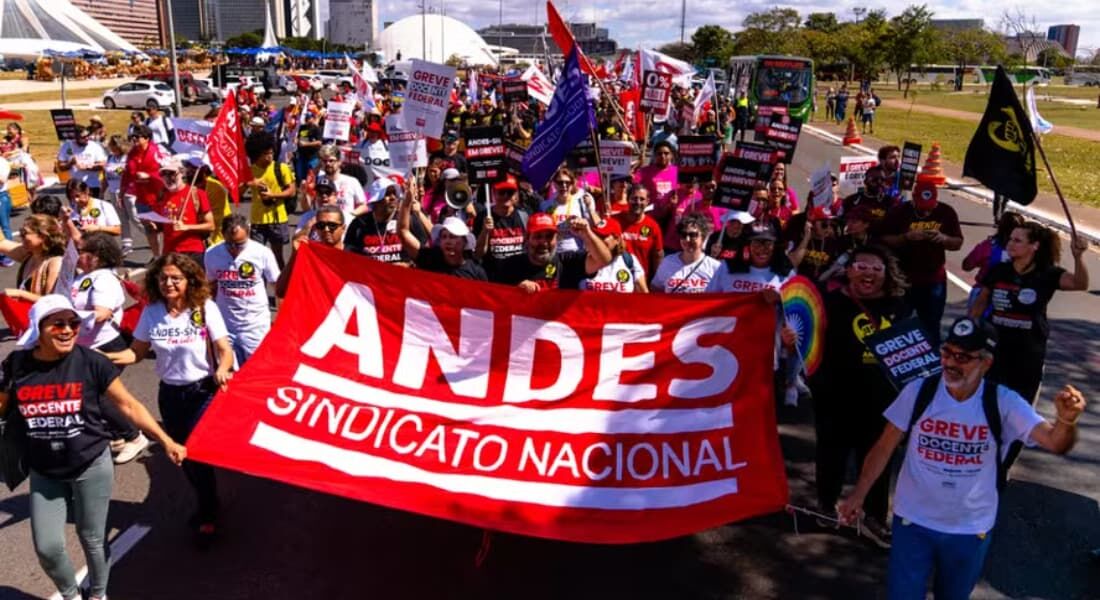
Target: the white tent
pixel 436 38
pixel 30 28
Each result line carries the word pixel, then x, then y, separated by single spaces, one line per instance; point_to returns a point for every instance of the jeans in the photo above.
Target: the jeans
pixel 5 213
pixel 929 301
pixel 181 406
pixel 90 495
pixel 127 215
pixel 915 551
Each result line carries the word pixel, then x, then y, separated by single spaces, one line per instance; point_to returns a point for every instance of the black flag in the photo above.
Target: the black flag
pixel 1002 153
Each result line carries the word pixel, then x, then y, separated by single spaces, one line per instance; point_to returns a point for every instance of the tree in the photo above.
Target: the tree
pixel 823 22
pixel 911 40
pixel 776 20
pixel 1026 31
pixel 712 42
pixel 248 39
pixel 684 52
pixel 972 47
pixel 1054 58
pixel 768 32
pixel 863 45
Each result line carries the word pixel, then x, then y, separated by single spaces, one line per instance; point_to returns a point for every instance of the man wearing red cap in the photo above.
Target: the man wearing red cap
pixel 542 267
pixel 921 232
pixel 500 229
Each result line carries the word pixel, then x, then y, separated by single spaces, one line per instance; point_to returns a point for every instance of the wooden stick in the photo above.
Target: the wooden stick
pixel 1057 188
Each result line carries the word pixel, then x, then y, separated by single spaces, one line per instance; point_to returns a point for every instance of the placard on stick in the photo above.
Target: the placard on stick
pixel 515 90
pixel 485 154
pixel 737 178
pixel 904 352
pixel 910 165
pixel 64 123
pixel 697 158
pixel 782 133
pixel 656 90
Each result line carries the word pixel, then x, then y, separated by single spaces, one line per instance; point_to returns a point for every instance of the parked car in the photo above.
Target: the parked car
pixel 285 84
pixel 140 94
pixel 232 83
pixel 329 76
pixel 202 93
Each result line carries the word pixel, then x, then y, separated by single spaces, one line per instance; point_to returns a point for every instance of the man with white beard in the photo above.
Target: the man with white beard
pixel 946 499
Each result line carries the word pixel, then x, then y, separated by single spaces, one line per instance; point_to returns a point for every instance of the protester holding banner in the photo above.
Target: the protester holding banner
pixel 944 512
pixel 641 233
pixel 873 196
pixel 624 273
pixel 660 179
pixel 185 329
pixel 188 213
pixel 449 155
pixel 889 158
pixel 375 234
pixel 326 226
pixel 691 270
pixel 41 246
pixel 790 199
pixel 67 456
pixel 542 266
pixel 452 244
pixel 763 267
pixel 850 390
pixel 271 186
pixel 324 195
pixel 921 232
pixel 500 230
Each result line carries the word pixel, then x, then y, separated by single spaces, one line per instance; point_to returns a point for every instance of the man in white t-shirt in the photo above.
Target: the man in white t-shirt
pixel 84 159
pixel 349 192
pixel 239 270
pixel 946 499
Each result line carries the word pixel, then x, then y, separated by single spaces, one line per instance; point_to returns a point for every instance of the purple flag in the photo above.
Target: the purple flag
pixel 569 120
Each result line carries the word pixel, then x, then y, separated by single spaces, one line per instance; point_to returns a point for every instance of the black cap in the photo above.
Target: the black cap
pixel 324 186
pixel 763 230
pixel 450 134
pixel 971 335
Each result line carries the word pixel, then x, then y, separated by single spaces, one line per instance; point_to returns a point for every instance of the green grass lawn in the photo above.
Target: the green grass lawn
pixel 1073 160
pixel 44 145
pixel 973 99
pixel 81 94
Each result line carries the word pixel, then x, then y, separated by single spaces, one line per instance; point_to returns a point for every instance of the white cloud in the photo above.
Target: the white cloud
pixel 648 23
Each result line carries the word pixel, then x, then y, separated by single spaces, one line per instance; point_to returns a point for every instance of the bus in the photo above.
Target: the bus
pixel 1029 75
pixel 1086 75
pixel 940 74
pixel 775 80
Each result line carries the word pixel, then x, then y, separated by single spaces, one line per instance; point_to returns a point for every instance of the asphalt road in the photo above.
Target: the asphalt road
pixel 279 541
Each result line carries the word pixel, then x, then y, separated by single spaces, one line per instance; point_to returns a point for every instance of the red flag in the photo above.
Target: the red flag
pixel 225 147
pixel 564 38
pixel 16 312
pixel 563 414
pixel 632 112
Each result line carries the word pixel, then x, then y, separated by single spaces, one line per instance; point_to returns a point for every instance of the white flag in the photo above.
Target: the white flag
pixel 1038 123
pixel 538 86
pixel 655 61
pixel 471 87
pixel 705 94
pixel 362 87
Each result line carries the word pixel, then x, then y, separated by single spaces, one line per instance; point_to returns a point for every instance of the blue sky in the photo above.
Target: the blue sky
pixel 651 23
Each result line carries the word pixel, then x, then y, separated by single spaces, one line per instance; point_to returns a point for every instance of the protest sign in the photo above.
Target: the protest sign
pixel 850 176
pixel 782 134
pixel 561 415
pixel 756 152
pixel 615 157
pixel 515 90
pixel 64 123
pixel 376 157
pixel 656 90
pixel 904 352
pixel 427 97
pixel 698 154
pixel 408 149
pixel 583 157
pixel 513 157
pixel 191 135
pixel 338 120
pixel 737 177
pixel 764 112
pixel 821 187
pixel 910 165
pixel 485 154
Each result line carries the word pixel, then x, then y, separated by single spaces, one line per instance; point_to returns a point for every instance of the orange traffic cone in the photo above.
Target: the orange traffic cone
pixel 932 171
pixel 852 136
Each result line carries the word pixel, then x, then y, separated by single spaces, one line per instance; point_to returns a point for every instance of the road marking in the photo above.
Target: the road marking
pixel 122 544
pixel 959 281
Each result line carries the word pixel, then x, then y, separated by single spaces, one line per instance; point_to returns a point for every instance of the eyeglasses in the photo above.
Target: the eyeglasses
pixel 563 182
pixel 863 267
pixel 961 358
pixel 690 235
pixel 62 324
pixel 171 279
pixel 328 225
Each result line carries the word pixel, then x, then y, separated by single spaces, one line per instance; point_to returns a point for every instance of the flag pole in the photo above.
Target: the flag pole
pixel 1057 188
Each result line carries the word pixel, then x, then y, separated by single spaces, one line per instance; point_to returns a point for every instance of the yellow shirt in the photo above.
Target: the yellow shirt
pixel 219 206
pixel 263 214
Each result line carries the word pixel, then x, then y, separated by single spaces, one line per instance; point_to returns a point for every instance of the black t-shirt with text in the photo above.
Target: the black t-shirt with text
pixel 61 403
pixel 380 240
pixel 564 271
pixel 431 259
pixel 1018 302
pixel 506 239
pixel 457 161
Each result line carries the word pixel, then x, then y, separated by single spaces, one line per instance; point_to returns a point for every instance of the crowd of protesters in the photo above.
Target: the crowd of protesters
pixel 877 255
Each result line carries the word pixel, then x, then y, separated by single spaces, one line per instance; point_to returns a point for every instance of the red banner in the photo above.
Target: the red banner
pixel 225 147
pixel 565 415
pixel 16 313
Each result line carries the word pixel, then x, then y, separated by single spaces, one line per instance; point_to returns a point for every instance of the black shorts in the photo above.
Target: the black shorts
pixel 270 233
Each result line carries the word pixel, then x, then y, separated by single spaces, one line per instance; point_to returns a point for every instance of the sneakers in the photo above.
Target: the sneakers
pixel 878 533
pixel 131 450
pixel 6 262
pixel 117 445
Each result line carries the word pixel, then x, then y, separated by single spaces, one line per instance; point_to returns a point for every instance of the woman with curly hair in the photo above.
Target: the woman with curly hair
pixel 850 391
pixel 40 251
pixel 185 329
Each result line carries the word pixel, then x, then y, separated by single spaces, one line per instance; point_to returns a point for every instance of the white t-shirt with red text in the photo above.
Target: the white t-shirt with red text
pixel 616 276
pixel 241 290
pixel 673 276
pixel 948 482
pixel 756 279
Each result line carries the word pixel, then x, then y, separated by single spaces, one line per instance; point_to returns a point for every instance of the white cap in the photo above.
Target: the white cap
pixel 739 215
pixel 294 101
pixel 378 188
pixel 451 173
pixel 171 164
pixel 45 306
pixel 456 227
pixel 257 122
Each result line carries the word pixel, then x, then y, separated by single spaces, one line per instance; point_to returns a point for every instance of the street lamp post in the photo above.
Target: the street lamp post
pixel 172 58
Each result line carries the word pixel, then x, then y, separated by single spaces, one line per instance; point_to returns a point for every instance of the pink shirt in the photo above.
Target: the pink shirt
pixel 661 183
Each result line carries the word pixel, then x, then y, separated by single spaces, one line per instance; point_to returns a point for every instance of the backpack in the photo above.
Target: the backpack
pixel 990 407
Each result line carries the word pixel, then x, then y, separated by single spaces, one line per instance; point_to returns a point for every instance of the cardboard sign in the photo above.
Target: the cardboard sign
pixel 191 135
pixel 782 133
pixel 656 91
pixel 764 111
pixel 757 152
pixel 515 90
pixel 64 123
pixel 427 98
pixel 513 157
pixel 904 352
pixel 698 154
pixel 485 154
pixel 910 165
pixel 821 187
pixel 615 157
pixel 338 121
pixel 851 173
pixel 737 178
pixel 583 157
pixel 408 149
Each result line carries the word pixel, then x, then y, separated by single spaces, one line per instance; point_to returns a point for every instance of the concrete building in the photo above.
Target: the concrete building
pixel 953 25
pixel 195 19
pixel 1067 36
pixel 529 39
pixel 222 19
pixel 139 22
pixel 353 22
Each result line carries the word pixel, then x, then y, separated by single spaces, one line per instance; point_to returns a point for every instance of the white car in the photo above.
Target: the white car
pixel 232 83
pixel 286 85
pixel 140 94
pixel 329 77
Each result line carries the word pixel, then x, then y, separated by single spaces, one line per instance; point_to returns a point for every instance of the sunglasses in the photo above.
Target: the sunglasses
pixel 328 225
pixel 961 358
pixel 171 279
pixel 63 324
pixel 690 235
pixel 863 267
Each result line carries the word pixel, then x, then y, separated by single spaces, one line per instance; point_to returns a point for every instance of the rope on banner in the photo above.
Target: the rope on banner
pixel 483 550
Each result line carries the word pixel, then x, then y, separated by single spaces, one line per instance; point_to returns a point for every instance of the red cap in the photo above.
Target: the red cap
pixel 608 227
pixel 820 213
pixel 925 195
pixel 509 183
pixel 540 222
pixel 375 127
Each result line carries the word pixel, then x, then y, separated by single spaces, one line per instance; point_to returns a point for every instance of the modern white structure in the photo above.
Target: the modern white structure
pixel 436 38
pixel 29 28
pixel 353 22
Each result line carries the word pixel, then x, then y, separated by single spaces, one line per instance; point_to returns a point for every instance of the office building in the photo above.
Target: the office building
pixel 139 22
pixel 1067 36
pixel 353 22
pixel 956 25
pixel 529 40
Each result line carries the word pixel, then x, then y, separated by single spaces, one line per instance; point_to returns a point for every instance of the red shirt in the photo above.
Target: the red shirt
pixel 181 203
pixel 148 162
pixel 643 239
